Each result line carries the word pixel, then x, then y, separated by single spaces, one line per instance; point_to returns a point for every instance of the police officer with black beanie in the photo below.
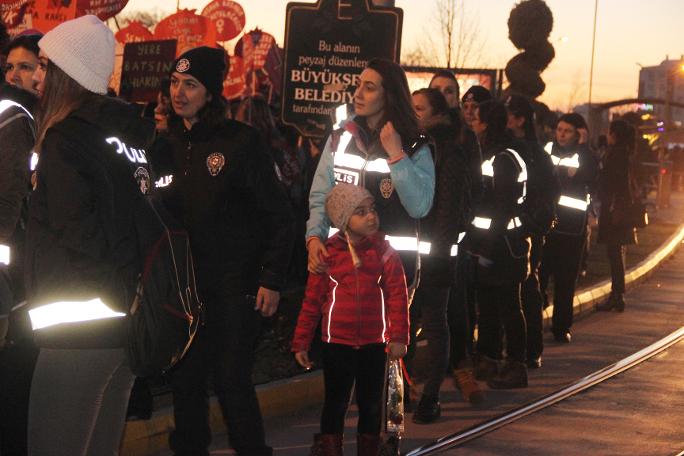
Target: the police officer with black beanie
pixel 224 189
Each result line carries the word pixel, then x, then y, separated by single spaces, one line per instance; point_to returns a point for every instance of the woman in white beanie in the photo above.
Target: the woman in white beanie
pixel 81 253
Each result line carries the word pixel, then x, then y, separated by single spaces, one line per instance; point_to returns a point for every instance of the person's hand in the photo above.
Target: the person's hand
pixel 317 255
pixel 391 141
pixel 267 301
pixel 572 172
pixel 302 358
pixel 396 351
pixel 583 135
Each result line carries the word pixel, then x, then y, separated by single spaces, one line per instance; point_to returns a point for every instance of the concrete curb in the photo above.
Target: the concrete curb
pixel 291 395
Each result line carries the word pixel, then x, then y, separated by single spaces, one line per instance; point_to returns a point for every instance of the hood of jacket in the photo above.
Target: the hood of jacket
pixel 118 118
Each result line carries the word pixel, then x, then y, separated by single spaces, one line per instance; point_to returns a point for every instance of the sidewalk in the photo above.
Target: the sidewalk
pixel 291 406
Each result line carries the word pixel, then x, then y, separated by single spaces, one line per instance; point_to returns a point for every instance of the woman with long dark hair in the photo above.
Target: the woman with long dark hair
pixel 81 253
pixel 616 231
pixel 446 219
pixel 500 242
pixel 384 134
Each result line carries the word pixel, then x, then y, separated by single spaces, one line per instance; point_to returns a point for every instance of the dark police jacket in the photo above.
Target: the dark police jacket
pixel 221 183
pixel 81 245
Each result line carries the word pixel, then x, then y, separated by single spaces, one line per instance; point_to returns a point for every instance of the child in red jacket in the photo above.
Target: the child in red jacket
pixel 363 304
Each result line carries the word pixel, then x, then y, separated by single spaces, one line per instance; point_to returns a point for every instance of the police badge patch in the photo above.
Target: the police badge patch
pixel 386 188
pixel 215 163
pixel 183 65
pixel 142 177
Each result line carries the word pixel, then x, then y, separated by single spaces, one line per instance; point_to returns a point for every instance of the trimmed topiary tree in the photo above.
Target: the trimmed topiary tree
pixel 529 26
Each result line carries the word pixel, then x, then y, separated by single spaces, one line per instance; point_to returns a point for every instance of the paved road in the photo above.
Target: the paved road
pixel 653 310
pixel 639 412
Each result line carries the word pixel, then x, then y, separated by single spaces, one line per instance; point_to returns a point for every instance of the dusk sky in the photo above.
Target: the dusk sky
pixel 629 32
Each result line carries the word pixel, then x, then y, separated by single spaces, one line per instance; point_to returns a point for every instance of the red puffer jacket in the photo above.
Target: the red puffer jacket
pixel 358 306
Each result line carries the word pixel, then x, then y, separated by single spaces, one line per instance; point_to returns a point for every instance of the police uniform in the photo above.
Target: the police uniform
pixel 500 242
pixel 576 169
pixel 220 182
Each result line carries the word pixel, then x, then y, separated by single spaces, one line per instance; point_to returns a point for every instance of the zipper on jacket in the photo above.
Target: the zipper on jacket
pixel 358 306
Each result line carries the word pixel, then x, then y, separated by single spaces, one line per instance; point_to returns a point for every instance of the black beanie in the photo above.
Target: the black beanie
pixel 477 93
pixel 208 65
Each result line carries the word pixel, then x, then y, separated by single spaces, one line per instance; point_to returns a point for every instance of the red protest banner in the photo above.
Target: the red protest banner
pixel 228 17
pixel 48 14
pixel 235 83
pixel 17 19
pixel 190 29
pixel 7 5
pixel 104 9
pixel 254 47
pixel 134 32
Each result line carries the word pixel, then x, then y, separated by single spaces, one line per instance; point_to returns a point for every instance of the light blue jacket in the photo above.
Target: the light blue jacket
pixel 413 178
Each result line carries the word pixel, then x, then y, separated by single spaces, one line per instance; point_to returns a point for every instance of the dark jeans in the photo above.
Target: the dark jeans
pixel 433 306
pixel 500 306
pixel 225 348
pixel 461 312
pixel 616 258
pixel 533 301
pixel 343 366
pixel 561 260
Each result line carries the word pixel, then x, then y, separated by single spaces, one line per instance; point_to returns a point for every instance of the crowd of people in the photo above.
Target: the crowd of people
pixel 422 215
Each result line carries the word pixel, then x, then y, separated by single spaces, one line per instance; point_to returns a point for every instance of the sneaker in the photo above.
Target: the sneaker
pixel 428 410
pixel 466 383
pixel 485 368
pixel 534 362
pixel 512 375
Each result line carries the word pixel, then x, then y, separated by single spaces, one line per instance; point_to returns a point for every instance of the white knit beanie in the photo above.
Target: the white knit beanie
pixel 84 49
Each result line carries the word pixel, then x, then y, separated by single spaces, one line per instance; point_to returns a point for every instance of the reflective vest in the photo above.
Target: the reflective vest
pixel 371 170
pixel 573 203
pixel 56 313
pixel 5 250
pixel 485 220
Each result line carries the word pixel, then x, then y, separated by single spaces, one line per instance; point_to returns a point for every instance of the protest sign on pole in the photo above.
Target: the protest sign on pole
pixel 327 46
pixel 104 9
pixel 134 32
pixel 189 29
pixel 144 66
pixel 228 17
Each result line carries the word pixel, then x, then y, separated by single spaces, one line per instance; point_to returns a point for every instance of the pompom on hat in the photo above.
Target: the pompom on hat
pixel 84 49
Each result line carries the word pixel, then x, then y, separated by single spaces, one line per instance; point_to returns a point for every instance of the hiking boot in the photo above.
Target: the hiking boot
pixel 327 445
pixel 367 444
pixel 512 375
pixel 485 368
pixel 428 410
pixel 466 383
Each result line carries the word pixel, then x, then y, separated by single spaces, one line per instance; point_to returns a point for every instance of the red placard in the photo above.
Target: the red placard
pixel 7 5
pixel 16 19
pixel 190 29
pixel 254 47
pixel 134 32
pixel 48 14
pixel 228 17
pixel 235 84
pixel 104 9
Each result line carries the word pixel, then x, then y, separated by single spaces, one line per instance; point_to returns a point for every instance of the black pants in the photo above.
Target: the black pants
pixel 225 348
pixel 500 306
pixel 533 302
pixel 561 260
pixel 343 366
pixel 17 362
pixel 616 258
pixel 433 306
pixel 462 312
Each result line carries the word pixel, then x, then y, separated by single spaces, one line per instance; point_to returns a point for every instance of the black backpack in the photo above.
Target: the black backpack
pixel 543 191
pixel 166 312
